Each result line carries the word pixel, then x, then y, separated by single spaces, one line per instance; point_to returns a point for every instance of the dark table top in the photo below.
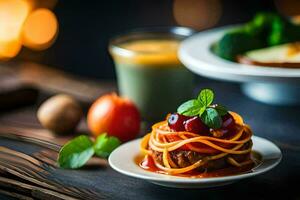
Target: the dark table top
pixel 278 124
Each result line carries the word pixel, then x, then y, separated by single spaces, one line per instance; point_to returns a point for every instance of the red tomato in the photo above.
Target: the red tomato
pixel 114 115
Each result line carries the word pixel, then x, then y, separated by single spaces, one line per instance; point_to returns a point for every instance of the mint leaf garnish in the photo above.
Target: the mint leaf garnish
pixel 206 97
pixel 76 152
pixel 104 145
pixel 202 107
pixel 212 118
pixel 190 108
pixel 221 110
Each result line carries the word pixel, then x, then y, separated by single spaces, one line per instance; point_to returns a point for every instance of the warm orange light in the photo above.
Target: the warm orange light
pixel 197 14
pixel 35 33
pixel 12 14
pixel 9 49
pixel 30 4
pixel 40 29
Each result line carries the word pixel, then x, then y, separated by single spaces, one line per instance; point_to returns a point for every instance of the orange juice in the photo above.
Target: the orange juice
pixel 150 73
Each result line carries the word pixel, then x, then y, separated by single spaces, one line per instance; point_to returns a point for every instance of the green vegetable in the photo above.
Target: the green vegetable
pixel 202 107
pixel 206 97
pixel 264 30
pixel 75 153
pixel 212 118
pixel 277 29
pixel 191 108
pixel 104 145
pixel 221 109
pixel 235 43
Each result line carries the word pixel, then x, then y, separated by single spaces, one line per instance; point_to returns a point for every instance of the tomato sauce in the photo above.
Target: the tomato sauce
pixel 147 163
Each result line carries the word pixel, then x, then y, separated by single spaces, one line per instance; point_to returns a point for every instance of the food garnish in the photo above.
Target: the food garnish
pixel 104 145
pixel 114 115
pixel 202 107
pixel 201 139
pixel 75 153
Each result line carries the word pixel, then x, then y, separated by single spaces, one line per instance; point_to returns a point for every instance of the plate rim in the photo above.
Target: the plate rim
pixel 210 65
pixel 183 180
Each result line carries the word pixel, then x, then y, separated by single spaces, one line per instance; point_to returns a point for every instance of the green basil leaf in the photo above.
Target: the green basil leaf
pixel 190 108
pixel 202 110
pixel 206 97
pixel 104 145
pixel 221 110
pixel 212 118
pixel 75 153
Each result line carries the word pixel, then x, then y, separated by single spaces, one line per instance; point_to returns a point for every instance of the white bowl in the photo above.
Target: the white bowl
pixel 267 84
pixel 123 160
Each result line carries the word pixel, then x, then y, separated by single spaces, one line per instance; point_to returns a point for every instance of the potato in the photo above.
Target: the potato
pixel 60 114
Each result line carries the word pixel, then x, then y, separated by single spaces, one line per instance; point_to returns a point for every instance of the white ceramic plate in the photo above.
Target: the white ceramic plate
pixel 122 160
pixel 270 85
pixel 195 53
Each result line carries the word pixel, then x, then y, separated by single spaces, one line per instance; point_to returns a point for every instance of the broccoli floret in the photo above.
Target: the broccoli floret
pixel 234 43
pixel 278 31
pixel 276 36
pixel 273 29
pixel 265 29
pixel 259 25
pixel 283 31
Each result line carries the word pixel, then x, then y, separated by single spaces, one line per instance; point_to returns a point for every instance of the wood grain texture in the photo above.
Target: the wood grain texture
pixel 16 77
pixel 13 194
pixel 36 171
pixel 278 124
pixel 34 191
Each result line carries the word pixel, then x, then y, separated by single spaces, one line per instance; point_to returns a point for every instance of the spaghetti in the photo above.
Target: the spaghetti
pixel 234 149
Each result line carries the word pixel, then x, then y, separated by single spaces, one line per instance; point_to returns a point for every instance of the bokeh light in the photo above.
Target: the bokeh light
pixel 16 16
pixel 12 14
pixel 40 29
pixel 197 14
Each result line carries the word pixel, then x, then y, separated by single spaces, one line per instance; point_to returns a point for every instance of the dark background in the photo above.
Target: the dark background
pixel 86 27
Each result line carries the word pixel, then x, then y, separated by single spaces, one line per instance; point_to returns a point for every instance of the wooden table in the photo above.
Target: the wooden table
pixel 278 124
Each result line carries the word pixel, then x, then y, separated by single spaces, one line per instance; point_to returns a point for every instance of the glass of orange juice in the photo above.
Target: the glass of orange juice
pixel 149 71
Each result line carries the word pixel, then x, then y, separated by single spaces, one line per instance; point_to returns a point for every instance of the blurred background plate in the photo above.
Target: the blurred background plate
pixel 266 84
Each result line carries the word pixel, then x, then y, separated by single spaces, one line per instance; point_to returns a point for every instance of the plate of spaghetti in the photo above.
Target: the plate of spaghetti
pixel 201 145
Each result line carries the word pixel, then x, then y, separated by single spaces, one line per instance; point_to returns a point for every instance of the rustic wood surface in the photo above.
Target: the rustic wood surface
pixel 31 78
pixel 23 84
pixel 278 124
pixel 34 169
